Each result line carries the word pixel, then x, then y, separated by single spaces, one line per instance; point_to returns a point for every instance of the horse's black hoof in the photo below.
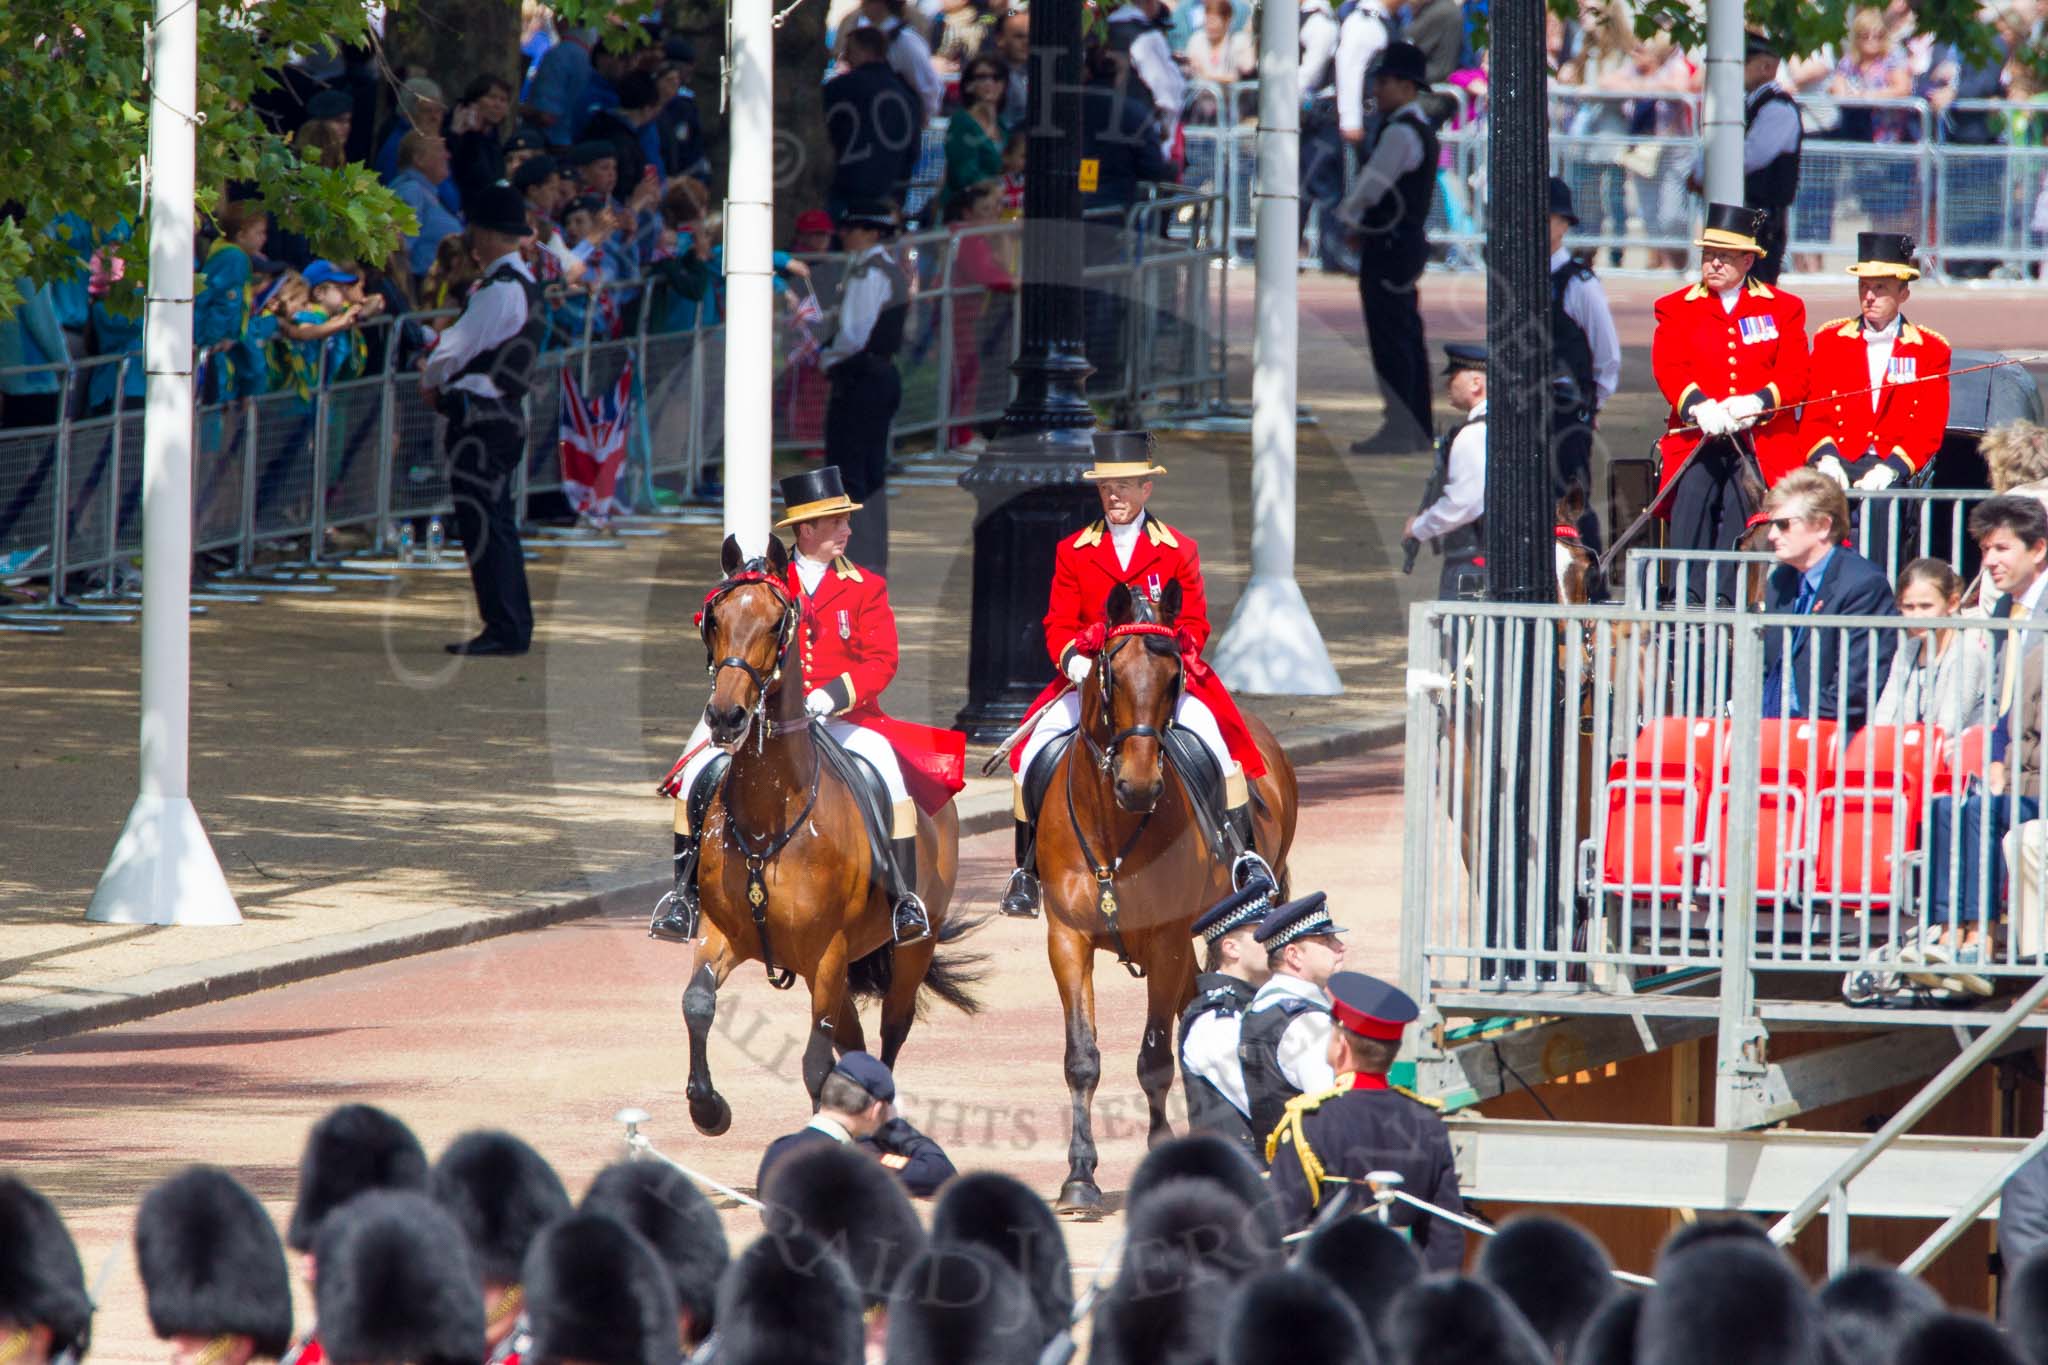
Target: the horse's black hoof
pixel 712 1116
pixel 1080 1201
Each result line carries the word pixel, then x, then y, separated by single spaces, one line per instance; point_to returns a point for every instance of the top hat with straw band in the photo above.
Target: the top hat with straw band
pixel 1122 455
pixel 1885 254
pixel 812 494
pixel 1732 228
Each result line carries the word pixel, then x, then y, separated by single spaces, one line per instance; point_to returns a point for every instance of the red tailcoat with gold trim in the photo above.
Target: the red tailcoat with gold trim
pixel 1701 350
pixel 846 641
pixel 1084 570
pixel 1906 422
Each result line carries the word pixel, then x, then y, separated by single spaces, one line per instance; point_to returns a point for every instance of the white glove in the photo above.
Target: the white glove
pixel 819 702
pixel 1880 476
pixel 1833 468
pixel 1711 418
pixel 1079 667
pixel 1743 410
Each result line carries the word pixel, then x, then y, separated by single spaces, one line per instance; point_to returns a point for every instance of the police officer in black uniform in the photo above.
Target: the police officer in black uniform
pixel 1452 517
pixel 860 364
pixel 1388 207
pixel 1284 1043
pixel 477 375
pixel 1210 1026
pixel 1364 1124
pixel 1771 140
pixel 1586 362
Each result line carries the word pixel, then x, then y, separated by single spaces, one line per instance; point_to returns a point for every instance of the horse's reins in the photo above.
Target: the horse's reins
pixel 758 853
pixel 1105 874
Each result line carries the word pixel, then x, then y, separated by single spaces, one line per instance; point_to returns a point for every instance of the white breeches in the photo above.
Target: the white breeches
pixel 869 745
pixel 1190 713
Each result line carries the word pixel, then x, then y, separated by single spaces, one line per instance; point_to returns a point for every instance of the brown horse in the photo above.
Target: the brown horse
pixel 785 873
pixel 1125 865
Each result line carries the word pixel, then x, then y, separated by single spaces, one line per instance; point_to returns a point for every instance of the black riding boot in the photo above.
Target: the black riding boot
pixel 677 920
pixel 912 922
pixel 1247 866
pixel 1021 899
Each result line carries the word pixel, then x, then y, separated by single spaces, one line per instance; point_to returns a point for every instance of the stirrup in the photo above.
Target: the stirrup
pixel 1020 898
pixel 912 909
pixel 1249 867
pixel 670 923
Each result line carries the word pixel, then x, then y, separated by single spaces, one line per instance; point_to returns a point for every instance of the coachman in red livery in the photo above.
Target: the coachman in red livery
pixel 1131 547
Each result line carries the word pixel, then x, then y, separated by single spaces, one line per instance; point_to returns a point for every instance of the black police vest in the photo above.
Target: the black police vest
pixel 885 338
pixel 1463 542
pixel 510 364
pixel 1401 214
pixel 1775 184
pixel 1324 93
pixel 1209 1110
pixel 1571 350
pixel 1258 1052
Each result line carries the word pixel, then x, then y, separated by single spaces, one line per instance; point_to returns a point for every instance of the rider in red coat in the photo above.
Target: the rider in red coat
pixel 1884 436
pixel 1130 547
pixel 1726 351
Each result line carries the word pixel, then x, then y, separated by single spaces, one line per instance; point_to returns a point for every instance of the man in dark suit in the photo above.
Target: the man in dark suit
pixel 875 123
pixel 857 1107
pixel 1819 575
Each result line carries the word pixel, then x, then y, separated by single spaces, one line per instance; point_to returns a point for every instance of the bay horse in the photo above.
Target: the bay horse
pixel 784 877
pixel 1125 864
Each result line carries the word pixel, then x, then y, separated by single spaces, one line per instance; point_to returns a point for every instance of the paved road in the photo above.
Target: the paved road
pixel 549 1033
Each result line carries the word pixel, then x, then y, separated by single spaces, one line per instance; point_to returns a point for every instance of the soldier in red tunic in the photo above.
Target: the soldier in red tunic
pixel 1726 352
pixel 848 643
pixel 1885 436
pixel 1131 547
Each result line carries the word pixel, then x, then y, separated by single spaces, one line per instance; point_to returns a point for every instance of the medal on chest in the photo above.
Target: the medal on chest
pixel 1757 330
pixel 845 627
pixel 1901 369
pixel 1152 588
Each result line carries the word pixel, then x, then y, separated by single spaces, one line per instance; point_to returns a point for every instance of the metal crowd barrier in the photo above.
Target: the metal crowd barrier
pixel 1646 807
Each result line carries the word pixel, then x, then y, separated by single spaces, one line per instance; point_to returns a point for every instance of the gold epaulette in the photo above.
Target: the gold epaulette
pixel 1422 1100
pixel 1927 331
pixel 1848 326
pixel 1290 1131
pixel 1160 532
pixel 846 568
pixel 1091 536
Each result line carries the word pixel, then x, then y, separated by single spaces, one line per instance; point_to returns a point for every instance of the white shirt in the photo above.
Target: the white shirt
pixel 1125 539
pixel 1729 298
pixel 1318 47
pixel 810 573
pixel 1211 1053
pixel 866 294
pixel 1359 40
pixel 910 57
pixel 1877 354
pixel 1397 153
pixel 1464 495
pixel 1585 303
pixel 1305 1046
pixel 1153 60
pixel 831 1128
pixel 493 316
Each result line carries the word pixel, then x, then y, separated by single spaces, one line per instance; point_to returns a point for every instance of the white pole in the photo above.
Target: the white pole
pixel 163 870
pixel 1272 646
pixel 749 274
pixel 1725 43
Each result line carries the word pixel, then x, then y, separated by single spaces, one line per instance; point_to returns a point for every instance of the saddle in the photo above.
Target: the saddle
pixel 871 797
pixel 1185 754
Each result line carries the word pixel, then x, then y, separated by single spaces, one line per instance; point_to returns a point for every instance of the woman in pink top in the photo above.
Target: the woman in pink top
pixel 977 272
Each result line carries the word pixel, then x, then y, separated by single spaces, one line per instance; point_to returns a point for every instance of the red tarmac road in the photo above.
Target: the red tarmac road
pixel 549 1033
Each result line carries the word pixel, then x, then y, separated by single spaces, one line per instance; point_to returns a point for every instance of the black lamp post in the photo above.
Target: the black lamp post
pixel 1027 483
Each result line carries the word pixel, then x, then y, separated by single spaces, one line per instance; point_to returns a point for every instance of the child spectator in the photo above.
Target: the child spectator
pixel 449 280
pixel 222 311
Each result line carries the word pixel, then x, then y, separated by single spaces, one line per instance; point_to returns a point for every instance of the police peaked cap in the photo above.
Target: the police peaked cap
pixel 397 1283
pixel 1556 1275
pixel 353 1149
pixel 1370 1262
pixel 1002 1213
pixel 597 1293
pixel 501 1193
pixel 854 1205
pixel 962 1305
pixel 211 1262
pixel 1236 910
pixel 1205 1156
pixel 1451 1320
pixel 788 1300
pixel 1284 1317
pixel 1729 1298
pixel 662 1205
pixel 42 1283
pixel 1301 918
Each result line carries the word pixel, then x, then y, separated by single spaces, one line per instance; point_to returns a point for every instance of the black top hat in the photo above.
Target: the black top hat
pixel 1301 918
pixel 1733 228
pixel 814 493
pixel 1887 254
pixel 878 214
pixel 501 1193
pixel 211 1262
pixel 1464 355
pixel 1561 201
pixel 41 1280
pixel 1237 910
pixel 353 1149
pixel 659 1202
pixel 397 1283
pixel 1402 61
pixel 1370 1007
pixel 500 208
pixel 597 1292
pixel 1123 455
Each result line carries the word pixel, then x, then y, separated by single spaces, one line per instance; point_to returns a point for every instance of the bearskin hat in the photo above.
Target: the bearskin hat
pixel 597 1293
pixel 1452 1320
pixel 1369 1261
pixel 1552 1272
pixel 41 1280
pixel 788 1300
pixel 1209 1157
pixel 1286 1316
pixel 1729 1298
pixel 354 1148
pixel 846 1199
pixel 1610 1338
pixel 1868 1309
pixel 397 1282
pixel 211 1262
pixel 661 1204
pixel 501 1193
pixel 1000 1212
pixel 1952 1338
pixel 961 1304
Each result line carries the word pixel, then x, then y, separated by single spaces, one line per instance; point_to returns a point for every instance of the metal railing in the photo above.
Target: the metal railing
pixel 359 449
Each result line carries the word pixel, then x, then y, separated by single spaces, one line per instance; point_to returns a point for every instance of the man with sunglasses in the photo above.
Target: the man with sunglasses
pixel 1819 574
pixel 1729 354
pixel 1284 1044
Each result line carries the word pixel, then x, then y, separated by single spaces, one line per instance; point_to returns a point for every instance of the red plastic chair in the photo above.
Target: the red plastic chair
pixel 1656 807
pixel 1870 820
pixel 1966 762
pixel 1795 763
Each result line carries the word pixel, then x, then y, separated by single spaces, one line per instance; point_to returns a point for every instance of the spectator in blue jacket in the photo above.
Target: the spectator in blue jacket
pixel 421 109
pixel 554 100
pixel 30 398
pixel 423 169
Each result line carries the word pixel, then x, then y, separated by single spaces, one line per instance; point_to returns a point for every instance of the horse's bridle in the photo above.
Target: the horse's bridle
pixel 1105 754
pixel 753 571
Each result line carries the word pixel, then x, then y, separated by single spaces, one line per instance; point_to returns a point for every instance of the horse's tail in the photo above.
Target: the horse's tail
pixel 952 976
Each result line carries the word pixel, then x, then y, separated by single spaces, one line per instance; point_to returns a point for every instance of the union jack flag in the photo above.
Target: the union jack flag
pixel 808 313
pixel 594 446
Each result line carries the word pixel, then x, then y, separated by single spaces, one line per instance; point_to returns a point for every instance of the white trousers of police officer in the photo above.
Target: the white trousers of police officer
pixel 1189 713
pixel 871 746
